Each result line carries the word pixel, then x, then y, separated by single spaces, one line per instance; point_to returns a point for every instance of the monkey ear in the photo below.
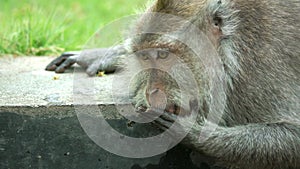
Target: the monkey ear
pixel 160 4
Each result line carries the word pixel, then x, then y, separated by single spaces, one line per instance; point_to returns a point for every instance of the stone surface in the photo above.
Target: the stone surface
pixel 39 126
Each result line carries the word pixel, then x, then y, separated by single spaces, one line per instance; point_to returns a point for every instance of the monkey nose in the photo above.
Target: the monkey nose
pixel 152 92
pixel 157 98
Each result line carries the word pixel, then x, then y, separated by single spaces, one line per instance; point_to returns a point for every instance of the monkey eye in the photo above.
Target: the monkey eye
pixel 163 54
pixel 143 56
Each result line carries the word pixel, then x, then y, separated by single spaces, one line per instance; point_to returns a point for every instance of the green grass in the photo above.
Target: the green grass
pixel 49 27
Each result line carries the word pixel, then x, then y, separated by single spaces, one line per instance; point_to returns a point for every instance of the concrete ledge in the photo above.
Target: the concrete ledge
pixel 39 127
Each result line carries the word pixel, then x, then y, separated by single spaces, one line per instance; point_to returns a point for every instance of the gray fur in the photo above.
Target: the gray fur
pixel 260 53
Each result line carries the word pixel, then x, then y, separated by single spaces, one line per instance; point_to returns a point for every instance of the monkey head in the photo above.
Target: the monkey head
pixel 178 52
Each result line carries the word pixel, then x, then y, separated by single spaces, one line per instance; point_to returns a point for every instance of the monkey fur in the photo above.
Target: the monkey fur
pixel 258 44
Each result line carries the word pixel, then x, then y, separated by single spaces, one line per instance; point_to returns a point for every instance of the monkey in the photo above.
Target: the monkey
pixel 257 45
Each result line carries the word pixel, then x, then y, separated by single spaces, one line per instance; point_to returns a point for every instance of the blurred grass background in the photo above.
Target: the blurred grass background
pixel 49 27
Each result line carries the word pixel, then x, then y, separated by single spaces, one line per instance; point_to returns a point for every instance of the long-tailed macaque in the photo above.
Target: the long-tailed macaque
pixel 258 45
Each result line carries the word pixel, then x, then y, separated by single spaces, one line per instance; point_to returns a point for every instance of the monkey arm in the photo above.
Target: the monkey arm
pixel 269 145
pixel 260 146
pixel 92 60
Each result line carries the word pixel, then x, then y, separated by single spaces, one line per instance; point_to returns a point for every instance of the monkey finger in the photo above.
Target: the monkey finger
pixel 166 128
pixel 65 65
pixel 169 117
pixel 92 70
pixel 52 66
pixel 160 126
pixel 163 123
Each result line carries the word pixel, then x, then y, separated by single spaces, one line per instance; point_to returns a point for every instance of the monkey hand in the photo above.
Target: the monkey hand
pixel 63 62
pixel 92 60
pixel 189 125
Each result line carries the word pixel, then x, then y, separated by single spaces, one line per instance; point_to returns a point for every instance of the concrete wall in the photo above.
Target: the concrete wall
pixel 39 127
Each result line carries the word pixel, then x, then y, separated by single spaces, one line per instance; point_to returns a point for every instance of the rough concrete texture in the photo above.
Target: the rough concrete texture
pixel 39 127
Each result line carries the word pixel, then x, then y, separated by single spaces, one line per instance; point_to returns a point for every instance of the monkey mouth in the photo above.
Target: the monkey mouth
pixel 171 109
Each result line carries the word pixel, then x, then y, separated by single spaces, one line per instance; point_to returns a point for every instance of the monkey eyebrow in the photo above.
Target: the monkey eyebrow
pixel 140 53
pixel 143 51
pixel 164 49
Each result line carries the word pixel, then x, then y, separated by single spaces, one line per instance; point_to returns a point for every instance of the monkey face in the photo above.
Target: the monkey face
pixel 156 64
pixel 164 83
